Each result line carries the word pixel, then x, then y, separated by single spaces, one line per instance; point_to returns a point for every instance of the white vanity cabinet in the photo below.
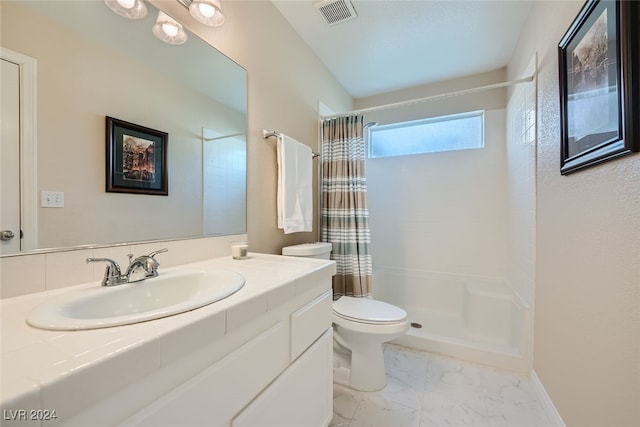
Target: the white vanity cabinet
pixel 282 377
pixel 302 396
pixel 215 395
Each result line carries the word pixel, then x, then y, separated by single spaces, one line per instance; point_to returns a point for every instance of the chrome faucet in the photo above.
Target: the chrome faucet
pixel 143 267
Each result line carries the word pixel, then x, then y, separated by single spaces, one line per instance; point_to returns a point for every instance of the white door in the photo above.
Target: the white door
pixel 10 159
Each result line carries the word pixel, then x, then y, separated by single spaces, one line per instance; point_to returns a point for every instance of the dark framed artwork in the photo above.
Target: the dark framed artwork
pixel 136 159
pixel 598 58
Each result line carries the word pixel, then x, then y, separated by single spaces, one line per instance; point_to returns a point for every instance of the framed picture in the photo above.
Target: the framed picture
pixel 598 59
pixel 136 159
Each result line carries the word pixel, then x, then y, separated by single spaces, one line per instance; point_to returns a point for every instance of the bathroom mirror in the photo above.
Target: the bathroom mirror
pixel 92 63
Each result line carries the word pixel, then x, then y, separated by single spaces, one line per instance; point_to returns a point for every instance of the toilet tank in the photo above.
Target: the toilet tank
pixel 320 250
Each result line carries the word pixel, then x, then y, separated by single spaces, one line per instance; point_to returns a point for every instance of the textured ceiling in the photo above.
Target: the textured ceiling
pixel 396 44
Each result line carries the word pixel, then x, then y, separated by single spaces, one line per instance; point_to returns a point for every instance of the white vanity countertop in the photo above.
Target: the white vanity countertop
pixel 39 368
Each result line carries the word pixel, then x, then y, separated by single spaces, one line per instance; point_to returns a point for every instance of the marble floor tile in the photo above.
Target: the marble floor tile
pixel 404 389
pixel 345 401
pixel 429 390
pixel 379 412
pixel 453 409
pixel 339 421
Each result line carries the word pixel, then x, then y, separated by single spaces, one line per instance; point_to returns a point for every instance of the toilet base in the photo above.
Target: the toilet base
pixel 362 370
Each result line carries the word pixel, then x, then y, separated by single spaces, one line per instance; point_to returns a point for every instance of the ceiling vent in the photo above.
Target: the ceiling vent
pixel 336 11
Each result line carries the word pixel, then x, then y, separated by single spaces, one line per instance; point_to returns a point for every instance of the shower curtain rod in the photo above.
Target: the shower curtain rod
pixel 436 97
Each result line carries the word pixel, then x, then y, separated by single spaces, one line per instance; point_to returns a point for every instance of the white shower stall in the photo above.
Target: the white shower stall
pixel 453 234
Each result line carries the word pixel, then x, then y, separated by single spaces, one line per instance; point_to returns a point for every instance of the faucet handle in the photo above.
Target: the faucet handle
pixel 151 264
pixel 159 251
pixel 112 274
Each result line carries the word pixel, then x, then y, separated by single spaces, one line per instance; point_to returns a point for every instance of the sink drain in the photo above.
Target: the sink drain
pixel 416 325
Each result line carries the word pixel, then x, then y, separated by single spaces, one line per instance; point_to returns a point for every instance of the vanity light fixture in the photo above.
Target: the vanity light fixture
pixel 169 30
pixel 132 9
pixel 208 12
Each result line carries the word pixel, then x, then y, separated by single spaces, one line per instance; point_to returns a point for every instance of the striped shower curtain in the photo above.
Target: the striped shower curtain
pixel 344 212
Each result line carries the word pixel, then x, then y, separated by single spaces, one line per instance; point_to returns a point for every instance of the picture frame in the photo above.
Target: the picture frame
pixel 598 64
pixel 136 159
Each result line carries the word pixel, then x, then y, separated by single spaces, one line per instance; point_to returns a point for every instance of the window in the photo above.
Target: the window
pixel 444 133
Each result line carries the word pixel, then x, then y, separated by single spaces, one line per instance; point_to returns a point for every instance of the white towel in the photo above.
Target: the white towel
pixel 295 195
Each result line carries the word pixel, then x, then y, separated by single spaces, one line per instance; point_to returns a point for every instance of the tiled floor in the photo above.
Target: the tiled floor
pixel 425 390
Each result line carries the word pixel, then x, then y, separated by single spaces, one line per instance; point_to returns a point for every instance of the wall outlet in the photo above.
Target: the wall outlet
pixel 52 199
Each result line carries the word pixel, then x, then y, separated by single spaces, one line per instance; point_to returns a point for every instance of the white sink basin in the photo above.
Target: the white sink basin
pixel 168 294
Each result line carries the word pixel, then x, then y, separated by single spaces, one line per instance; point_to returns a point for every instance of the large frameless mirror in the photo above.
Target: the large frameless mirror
pixel 89 64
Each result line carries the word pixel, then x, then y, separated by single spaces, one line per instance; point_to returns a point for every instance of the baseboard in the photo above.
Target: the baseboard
pixel 547 404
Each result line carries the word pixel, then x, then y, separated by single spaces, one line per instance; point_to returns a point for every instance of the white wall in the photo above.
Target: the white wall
pixel 443 212
pixel 587 289
pixel 521 208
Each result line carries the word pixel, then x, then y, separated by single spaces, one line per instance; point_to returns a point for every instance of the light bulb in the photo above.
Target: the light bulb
pixel 127 4
pixel 170 29
pixel 132 9
pixel 207 10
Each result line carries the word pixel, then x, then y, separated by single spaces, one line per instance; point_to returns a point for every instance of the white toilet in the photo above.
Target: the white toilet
pixel 360 326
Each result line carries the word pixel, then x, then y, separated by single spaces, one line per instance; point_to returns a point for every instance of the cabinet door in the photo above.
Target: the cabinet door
pixel 301 397
pixel 214 396
pixel 309 322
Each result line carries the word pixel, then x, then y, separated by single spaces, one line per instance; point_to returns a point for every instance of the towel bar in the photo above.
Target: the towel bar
pixel 269 133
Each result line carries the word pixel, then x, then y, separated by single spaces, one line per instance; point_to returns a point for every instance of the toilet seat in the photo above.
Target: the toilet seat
pixel 368 311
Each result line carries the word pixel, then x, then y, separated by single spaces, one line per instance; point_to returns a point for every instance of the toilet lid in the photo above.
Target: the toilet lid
pixel 365 310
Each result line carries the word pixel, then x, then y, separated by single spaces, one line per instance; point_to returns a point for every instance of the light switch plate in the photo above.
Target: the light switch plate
pixel 52 199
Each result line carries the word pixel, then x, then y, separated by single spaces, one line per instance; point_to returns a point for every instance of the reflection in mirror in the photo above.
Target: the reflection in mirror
pixel 92 63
